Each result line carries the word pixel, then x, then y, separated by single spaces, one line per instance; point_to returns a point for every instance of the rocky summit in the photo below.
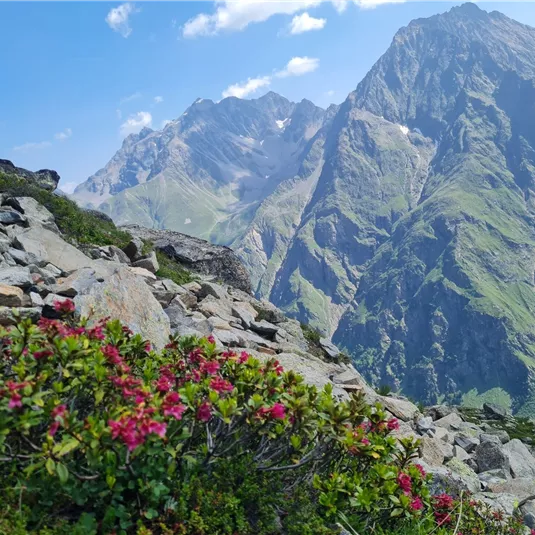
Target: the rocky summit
pixel 400 223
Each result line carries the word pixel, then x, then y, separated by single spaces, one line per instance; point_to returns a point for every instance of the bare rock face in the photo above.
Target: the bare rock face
pixel 127 297
pixel 45 178
pixel 197 255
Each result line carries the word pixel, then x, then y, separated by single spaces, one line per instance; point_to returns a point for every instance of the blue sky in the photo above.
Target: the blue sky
pixel 78 76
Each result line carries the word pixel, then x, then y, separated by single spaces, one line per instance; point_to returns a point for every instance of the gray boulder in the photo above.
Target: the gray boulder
pixel 332 351
pixel 451 422
pixel 425 424
pixel 495 411
pixel 468 443
pixel 493 477
pixel 245 312
pixel 36 213
pixel 78 282
pixel 49 247
pixel 521 461
pixel 491 456
pixel 263 327
pixel 126 297
pixel 400 408
pixel 213 289
pixel 452 479
pixel 149 262
pixel 10 216
pixel 16 276
pixel 9 315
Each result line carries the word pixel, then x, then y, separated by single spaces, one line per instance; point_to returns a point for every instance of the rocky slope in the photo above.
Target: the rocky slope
pixel 485 452
pixel 401 222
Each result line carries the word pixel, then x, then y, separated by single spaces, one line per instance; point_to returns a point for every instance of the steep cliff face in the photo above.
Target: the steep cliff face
pixel 447 304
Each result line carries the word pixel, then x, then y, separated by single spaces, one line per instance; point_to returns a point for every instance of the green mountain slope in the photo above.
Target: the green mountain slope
pixel 447 303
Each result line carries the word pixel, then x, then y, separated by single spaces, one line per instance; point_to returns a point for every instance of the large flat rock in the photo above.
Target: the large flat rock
pixel 48 247
pixel 126 297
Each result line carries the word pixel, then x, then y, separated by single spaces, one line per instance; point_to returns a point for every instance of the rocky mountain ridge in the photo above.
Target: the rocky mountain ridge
pixel 475 451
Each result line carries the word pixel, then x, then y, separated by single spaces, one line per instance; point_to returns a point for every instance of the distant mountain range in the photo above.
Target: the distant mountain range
pixel 401 222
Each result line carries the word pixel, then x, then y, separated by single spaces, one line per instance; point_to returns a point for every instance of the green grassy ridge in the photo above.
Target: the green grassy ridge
pixel 77 226
pixel 80 226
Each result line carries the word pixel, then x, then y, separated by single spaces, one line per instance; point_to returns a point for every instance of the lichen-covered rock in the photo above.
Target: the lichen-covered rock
pixel 491 456
pixel 448 479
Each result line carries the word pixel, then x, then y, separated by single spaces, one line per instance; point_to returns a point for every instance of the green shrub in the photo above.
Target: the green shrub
pixel 77 225
pixel 383 390
pixel 311 335
pixel 100 434
pixel 169 269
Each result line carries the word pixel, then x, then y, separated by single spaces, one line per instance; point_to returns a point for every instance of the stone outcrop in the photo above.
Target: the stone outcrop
pixel 45 178
pixel 197 255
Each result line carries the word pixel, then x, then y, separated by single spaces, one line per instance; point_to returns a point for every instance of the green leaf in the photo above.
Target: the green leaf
pixel 67 447
pixel 50 466
pixel 63 472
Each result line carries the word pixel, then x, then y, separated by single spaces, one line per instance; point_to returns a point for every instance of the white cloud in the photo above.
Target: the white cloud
pixel 235 16
pixel 129 98
pixel 117 18
pixel 158 100
pixel 305 23
pixel 340 5
pixel 295 67
pixel 330 93
pixel 136 122
pixel 62 136
pixel 246 88
pixel 370 4
pixel 164 123
pixel 299 66
pixel 32 146
pixel 68 187
pixel 119 114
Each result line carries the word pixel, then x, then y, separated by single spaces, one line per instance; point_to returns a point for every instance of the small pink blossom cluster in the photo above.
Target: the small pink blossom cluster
pixel 58 415
pixel 59 328
pixel 277 412
pixel 113 356
pixel 133 429
pixel 443 505
pixel 13 391
pixel 405 483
